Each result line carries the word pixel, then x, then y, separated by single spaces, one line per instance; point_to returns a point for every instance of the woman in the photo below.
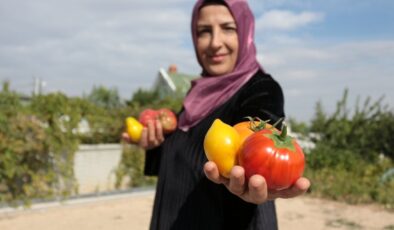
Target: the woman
pixel 190 192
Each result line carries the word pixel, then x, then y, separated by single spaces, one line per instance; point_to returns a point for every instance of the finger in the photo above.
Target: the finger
pixel 257 189
pixel 297 189
pixel 125 137
pixel 144 138
pixel 212 173
pixel 303 184
pixel 152 141
pixel 237 180
pixel 159 132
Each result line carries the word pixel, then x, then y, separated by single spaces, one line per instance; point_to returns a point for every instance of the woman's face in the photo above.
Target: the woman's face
pixel 217 39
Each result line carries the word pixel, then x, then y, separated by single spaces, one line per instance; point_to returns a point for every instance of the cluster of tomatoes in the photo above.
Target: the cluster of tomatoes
pixel 165 116
pixel 259 148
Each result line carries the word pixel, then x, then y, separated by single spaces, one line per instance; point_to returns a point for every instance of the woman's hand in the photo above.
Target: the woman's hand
pixel 256 190
pixel 151 137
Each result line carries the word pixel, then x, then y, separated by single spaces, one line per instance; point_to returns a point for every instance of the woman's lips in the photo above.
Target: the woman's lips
pixel 218 58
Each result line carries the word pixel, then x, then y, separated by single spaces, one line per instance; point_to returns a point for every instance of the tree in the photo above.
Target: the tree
pixel 144 97
pixel 105 98
pixel 319 120
pixel 6 86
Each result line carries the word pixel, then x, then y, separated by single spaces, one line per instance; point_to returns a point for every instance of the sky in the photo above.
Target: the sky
pixel 315 49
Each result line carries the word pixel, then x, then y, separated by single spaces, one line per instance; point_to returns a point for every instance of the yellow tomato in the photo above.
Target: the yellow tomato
pixel 221 145
pixel 134 129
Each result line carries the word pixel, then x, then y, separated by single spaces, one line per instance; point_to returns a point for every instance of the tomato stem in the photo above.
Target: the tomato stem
pixel 261 125
pixel 283 134
pixel 278 121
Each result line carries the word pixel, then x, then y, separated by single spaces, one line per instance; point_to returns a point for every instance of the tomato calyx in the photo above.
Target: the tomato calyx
pixel 281 140
pixel 256 124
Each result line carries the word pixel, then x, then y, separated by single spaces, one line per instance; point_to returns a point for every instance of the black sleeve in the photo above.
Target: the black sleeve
pixel 152 161
pixel 263 98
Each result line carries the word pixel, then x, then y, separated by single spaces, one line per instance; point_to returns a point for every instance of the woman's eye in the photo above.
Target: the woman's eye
pixel 230 29
pixel 202 32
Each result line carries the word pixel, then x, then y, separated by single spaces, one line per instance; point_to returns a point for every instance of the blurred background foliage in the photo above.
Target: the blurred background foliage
pixel 354 152
pixel 352 158
pixel 40 134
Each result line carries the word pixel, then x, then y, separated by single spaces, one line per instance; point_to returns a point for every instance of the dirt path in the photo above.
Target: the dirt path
pixel 132 212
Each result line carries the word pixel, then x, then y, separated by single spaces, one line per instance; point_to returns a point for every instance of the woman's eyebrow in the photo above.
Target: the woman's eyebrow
pixel 203 25
pixel 228 24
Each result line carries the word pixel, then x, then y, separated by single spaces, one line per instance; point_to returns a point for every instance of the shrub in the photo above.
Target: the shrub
pixel 131 168
pixel 37 147
pixel 24 160
pixel 367 132
pixel 355 150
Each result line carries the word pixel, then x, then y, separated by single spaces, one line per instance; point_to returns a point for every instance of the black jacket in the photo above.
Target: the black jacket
pixel 185 198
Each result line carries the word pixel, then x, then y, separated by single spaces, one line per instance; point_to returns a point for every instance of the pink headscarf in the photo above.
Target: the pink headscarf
pixel 209 92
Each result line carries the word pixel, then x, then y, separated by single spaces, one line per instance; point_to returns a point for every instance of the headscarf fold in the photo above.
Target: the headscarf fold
pixel 209 92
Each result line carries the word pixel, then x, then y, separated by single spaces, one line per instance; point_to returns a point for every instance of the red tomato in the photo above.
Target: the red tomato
pixel 275 156
pixel 167 119
pixel 147 115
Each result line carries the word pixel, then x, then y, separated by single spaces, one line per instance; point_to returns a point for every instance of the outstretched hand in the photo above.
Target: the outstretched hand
pixel 151 136
pixel 255 190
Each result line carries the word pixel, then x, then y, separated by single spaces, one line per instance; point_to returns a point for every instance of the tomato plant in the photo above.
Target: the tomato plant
pixel 275 156
pixel 221 144
pixel 134 129
pixel 167 119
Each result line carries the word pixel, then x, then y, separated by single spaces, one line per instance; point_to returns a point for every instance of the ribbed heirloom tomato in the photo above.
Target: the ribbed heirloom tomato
pixel 274 155
pixel 166 117
pixel 146 116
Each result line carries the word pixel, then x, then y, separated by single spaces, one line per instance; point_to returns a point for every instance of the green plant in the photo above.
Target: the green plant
pixel 60 117
pixel 40 135
pixel 104 98
pixel 143 97
pixel 131 167
pixel 367 131
pixel 354 151
pixel 359 184
pixel 24 160
pixel 298 127
pixel 37 147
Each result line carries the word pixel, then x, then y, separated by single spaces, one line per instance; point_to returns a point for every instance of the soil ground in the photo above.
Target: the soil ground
pixel 132 211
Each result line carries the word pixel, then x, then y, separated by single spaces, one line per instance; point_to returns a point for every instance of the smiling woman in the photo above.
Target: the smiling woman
pixel 191 194
pixel 217 40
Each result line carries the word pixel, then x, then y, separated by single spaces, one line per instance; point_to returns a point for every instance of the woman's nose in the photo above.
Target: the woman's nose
pixel 216 41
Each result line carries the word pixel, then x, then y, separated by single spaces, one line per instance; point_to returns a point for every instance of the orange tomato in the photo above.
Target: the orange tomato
pixel 247 128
